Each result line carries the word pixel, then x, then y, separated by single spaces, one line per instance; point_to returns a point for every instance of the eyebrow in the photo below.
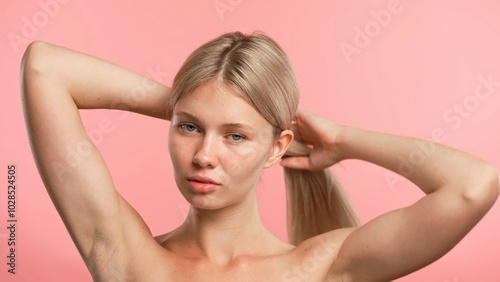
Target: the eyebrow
pixel 187 116
pixel 229 125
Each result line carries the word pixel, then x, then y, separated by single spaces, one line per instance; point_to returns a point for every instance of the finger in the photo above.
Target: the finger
pixel 298 112
pixel 305 120
pixel 301 133
pixel 305 117
pixel 296 162
pixel 296 133
pixel 301 109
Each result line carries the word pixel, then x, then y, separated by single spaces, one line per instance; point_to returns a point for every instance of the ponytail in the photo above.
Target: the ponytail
pixel 316 202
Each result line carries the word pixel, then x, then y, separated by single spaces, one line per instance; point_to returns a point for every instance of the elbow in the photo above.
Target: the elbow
pixel 34 64
pixel 33 59
pixel 495 185
pixel 484 191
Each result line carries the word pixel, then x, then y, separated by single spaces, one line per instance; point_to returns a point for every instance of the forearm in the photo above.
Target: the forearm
pixel 460 190
pixel 96 84
pixel 429 165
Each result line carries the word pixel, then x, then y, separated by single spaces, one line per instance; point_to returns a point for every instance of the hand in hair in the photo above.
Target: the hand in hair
pixel 321 135
pixel 460 189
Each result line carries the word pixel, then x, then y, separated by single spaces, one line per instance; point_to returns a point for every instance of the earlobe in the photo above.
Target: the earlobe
pixel 280 147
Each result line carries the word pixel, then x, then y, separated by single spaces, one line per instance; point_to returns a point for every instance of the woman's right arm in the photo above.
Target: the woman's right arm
pixel 55 83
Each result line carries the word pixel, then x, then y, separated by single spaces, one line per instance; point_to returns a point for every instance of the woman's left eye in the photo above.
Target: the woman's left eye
pixel 236 137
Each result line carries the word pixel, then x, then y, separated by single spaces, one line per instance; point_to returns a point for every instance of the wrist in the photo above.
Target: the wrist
pixel 345 140
pixel 341 142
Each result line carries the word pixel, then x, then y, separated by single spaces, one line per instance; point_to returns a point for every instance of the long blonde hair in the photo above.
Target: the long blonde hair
pixel 256 67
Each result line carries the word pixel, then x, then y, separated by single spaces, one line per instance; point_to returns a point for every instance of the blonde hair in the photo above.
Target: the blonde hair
pixel 256 67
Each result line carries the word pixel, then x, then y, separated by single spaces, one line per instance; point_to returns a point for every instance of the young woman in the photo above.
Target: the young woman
pixel 231 109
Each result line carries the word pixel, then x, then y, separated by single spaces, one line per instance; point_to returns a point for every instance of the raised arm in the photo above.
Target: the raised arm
pixel 460 189
pixel 55 83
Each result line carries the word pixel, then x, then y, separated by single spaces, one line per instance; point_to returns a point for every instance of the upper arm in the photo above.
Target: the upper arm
pixel 405 240
pixel 72 169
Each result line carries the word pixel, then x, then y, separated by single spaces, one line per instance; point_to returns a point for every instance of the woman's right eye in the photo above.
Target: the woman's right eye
pixel 187 127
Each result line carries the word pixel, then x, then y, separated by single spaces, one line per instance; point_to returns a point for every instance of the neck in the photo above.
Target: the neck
pixel 223 234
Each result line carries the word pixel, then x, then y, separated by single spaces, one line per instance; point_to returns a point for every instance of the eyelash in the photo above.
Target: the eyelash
pixel 242 138
pixel 183 126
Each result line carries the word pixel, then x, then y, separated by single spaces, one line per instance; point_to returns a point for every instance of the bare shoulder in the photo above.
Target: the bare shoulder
pixel 168 258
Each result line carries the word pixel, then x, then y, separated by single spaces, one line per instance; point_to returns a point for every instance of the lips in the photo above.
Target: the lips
pixel 203 184
pixel 203 179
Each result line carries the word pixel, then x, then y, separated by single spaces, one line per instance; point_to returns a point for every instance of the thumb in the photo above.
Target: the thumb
pixel 296 163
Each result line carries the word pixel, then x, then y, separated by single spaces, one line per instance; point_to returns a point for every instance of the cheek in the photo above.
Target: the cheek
pixel 178 150
pixel 246 160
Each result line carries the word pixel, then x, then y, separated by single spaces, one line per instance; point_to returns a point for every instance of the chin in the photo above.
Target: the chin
pixel 206 205
pixel 202 201
pixel 210 202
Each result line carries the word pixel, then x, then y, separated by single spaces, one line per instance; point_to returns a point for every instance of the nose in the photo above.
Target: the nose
pixel 206 155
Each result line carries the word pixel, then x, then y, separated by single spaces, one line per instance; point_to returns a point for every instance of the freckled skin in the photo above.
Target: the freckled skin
pixel 200 144
pixel 211 151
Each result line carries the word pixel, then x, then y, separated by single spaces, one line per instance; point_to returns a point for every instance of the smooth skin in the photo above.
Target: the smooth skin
pixel 223 238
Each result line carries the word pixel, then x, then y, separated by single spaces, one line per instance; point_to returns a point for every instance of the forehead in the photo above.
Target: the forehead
pixel 216 103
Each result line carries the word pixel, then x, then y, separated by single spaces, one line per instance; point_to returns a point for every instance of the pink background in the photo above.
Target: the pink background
pixel 406 77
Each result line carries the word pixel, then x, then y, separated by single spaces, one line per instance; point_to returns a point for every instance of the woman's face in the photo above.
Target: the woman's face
pixel 219 145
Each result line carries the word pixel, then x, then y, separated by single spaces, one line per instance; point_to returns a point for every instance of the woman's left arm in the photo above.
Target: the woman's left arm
pixel 459 188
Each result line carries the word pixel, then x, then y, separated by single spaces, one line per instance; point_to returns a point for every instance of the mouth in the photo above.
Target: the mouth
pixel 203 179
pixel 202 184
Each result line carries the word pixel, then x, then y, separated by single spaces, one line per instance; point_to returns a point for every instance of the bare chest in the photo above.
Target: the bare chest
pixel 155 263
pixel 277 269
pixel 171 268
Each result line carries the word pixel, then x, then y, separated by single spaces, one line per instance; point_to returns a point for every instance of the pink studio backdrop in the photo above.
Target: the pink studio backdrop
pixel 405 67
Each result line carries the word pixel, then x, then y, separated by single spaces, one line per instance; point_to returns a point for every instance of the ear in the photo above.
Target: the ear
pixel 280 146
